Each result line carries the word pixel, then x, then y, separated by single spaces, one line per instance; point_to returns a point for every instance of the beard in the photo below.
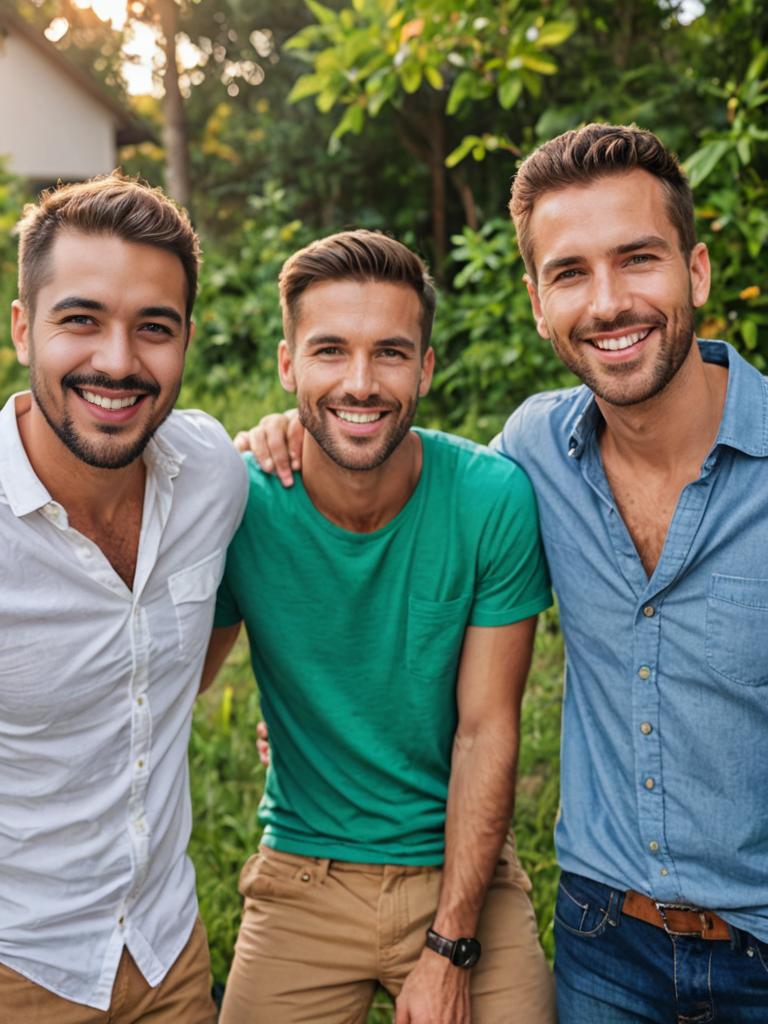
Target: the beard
pixel 110 452
pixel 623 383
pixel 358 453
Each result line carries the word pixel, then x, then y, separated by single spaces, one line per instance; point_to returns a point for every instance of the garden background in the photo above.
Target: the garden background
pixel 284 121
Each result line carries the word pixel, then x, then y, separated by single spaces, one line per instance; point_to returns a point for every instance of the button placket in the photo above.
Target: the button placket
pixel 141 736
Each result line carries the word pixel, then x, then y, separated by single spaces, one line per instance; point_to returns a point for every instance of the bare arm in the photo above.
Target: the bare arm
pixel 275 443
pixel 492 675
pixel 219 646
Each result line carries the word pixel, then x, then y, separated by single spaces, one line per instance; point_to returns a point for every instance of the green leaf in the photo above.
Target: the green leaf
pixel 749 333
pixel 410 76
pixel 461 90
pixel 352 121
pixel 323 14
pixel 554 33
pixel 539 64
pixel 700 164
pixel 462 150
pixel 434 78
pixel 744 150
pixel 307 85
pixel 509 92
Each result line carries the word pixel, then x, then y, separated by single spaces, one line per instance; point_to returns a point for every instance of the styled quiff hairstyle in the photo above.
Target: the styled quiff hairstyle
pixel 358 256
pixel 110 205
pixel 586 154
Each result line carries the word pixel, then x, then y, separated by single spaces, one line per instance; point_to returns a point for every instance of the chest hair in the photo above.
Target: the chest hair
pixel 118 539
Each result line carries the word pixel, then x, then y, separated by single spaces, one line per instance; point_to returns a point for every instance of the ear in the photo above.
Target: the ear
pixel 20 331
pixel 700 274
pixel 285 366
pixel 191 328
pixel 538 316
pixel 427 369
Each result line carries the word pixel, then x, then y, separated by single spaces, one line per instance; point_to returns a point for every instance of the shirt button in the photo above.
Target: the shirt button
pixel 644 672
pixel 140 763
pixel 649 783
pixel 306 877
pixel 646 728
pixel 139 701
pixel 121 920
pixel 663 872
pixel 653 846
pixel 649 611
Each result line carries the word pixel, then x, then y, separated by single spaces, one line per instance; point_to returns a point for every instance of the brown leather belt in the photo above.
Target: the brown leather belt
pixel 674 918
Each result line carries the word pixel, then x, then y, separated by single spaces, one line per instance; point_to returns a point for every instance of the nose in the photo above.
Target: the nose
pixel 115 354
pixel 360 378
pixel 609 294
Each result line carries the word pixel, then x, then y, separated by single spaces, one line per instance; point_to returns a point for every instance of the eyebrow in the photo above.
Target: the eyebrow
pixel 77 302
pixel 645 242
pixel 334 339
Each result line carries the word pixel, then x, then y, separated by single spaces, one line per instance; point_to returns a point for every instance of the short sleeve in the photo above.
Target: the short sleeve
pixel 227 610
pixel 513 581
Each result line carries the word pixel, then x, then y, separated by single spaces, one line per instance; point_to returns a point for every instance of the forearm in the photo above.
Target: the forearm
pixel 480 803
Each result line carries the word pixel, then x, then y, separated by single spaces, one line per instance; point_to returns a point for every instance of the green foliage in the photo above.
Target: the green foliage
pixel 489 356
pixel 13 377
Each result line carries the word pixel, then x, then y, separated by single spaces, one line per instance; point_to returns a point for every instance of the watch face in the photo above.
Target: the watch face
pixel 466 952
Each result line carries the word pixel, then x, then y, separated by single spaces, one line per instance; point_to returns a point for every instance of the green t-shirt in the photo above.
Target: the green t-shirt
pixel 355 642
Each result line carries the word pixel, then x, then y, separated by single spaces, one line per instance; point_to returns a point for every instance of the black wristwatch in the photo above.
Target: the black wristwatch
pixel 461 952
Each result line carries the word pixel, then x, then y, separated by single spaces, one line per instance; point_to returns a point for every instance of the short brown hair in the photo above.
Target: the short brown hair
pixel 360 256
pixel 109 205
pixel 585 154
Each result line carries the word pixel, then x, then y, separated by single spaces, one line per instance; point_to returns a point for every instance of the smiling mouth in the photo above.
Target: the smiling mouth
pixel 357 417
pixel 618 344
pixel 108 403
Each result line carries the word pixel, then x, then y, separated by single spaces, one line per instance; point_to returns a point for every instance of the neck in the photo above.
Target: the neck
pixel 678 424
pixel 361 500
pixel 89 492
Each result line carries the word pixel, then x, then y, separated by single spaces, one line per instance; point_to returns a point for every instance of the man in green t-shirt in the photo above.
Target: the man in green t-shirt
pixel 390 598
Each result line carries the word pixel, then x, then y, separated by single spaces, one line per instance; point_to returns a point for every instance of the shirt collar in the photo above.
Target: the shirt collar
pixel 744 424
pixel 21 488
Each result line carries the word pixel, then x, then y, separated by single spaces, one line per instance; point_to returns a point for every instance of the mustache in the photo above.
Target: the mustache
pixel 350 402
pixel 98 380
pixel 628 318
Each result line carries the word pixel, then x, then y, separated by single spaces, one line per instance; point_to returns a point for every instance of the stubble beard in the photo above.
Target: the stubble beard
pixel 314 424
pixel 110 454
pixel 613 384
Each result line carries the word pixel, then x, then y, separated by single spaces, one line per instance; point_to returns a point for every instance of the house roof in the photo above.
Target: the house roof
pixel 129 130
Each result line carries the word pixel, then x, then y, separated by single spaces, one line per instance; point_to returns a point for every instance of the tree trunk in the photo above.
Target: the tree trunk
pixel 174 120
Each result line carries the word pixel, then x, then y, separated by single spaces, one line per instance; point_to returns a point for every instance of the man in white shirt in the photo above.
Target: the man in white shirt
pixel 115 516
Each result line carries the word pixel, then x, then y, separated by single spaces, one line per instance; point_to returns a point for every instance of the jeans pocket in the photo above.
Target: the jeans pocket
pixel 761 951
pixel 582 908
pixel 270 873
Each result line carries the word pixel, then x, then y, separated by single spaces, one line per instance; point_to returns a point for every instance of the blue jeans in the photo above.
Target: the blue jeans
pixel 614 969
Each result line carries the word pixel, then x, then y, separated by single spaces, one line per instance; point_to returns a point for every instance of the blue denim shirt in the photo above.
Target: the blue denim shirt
pixel 664 774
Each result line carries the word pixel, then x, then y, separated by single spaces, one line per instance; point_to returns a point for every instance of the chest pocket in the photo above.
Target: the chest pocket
pixel 193 591
pixel 435 635
pixel 737 629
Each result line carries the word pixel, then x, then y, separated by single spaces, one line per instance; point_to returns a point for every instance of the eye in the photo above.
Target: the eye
pixel 567 275
pixel 392 353
pixel 157 328
pixel 328 350
pixel 639 259
pixel 78 320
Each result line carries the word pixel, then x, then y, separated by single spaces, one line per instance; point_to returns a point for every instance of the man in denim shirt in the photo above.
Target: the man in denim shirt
pixel 650 481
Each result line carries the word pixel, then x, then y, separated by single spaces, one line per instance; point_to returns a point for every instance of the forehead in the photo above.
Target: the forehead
pixel 364 310
pixel 109 269
pixel 582 220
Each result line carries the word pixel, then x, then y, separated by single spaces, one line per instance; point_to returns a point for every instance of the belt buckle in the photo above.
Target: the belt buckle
pixel 703 916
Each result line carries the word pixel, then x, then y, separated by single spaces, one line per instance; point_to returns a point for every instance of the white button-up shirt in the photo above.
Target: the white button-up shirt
pixel 97 684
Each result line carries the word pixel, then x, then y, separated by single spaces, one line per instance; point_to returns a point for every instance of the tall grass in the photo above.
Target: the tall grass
pixel 227 782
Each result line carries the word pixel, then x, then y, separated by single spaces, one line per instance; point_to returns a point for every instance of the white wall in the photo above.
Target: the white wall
pixel 49 127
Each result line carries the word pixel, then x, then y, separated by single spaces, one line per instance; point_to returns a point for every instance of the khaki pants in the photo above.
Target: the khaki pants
pixel 317 936
pixel 182 997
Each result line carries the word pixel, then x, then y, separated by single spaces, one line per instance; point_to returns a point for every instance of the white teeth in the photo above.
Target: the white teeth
pixel 616 344
pixel 109 403
pixel 358 417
